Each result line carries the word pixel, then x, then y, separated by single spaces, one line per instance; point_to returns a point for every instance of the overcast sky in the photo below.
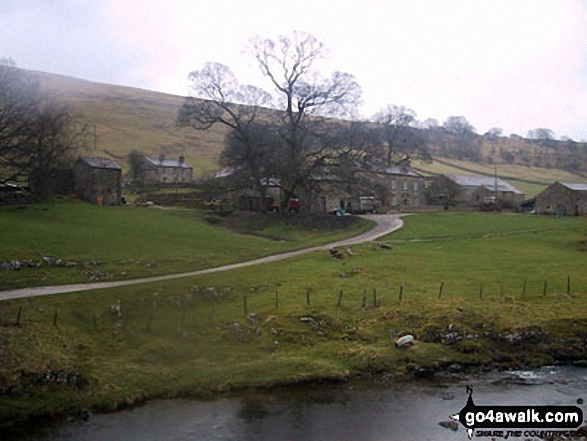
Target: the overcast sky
pixel 514 64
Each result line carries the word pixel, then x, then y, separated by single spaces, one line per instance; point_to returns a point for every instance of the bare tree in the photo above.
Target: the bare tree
pixel 306 97
pixel 400 135
pixel 36 133
pixel 466 142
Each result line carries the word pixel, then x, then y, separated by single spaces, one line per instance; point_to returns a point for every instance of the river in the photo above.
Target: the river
pixel 342 412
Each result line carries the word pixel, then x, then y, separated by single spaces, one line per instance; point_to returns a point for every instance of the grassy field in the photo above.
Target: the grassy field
pixel 288 322
pixel 114 243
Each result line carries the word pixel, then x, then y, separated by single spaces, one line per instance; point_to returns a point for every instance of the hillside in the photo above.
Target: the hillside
pixel 126 118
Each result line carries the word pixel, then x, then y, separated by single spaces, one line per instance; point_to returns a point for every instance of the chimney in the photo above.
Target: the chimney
pixel 181 159
pixel 161 158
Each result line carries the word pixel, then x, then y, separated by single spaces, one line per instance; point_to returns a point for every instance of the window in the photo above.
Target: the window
pixel 405 185
pixel 393 185
pixel 415 185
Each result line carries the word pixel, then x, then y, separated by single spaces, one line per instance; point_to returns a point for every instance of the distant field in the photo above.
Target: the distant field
pixel 545 175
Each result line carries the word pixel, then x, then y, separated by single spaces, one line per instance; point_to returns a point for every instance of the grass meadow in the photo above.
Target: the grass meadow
pixel 308 318
pixel 132 242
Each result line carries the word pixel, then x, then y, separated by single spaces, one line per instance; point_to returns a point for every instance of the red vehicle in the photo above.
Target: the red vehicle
pixel 294 205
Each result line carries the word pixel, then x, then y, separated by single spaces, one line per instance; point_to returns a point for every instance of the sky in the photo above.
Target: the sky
pixel 517 65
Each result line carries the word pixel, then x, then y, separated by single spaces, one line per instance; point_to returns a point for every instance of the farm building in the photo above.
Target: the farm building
pixel 399 187
pixel 158 170
pixel 98 179
pixel 563 198
pixel 474 191
pixel 376 187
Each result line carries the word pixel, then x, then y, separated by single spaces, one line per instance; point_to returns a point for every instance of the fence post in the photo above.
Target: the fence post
pixel 308 303
pixel 481 291
pixel 569 284
pixel 524 289
pixel 440 290
pixel 246 309
pixel 401 292
pixel 501 290
pixel 375 297
pixel 18 316
pixel 364 298
pixel 339 298
pixel 276 299
pixel 95 322
pixel 55 318
pixel 545 285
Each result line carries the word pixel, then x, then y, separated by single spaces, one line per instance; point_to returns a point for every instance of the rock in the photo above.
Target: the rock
pixel 405 341
pixel 385 246
pixel 253 317
pixel 452 425
pixel 349 252
pixel 580 363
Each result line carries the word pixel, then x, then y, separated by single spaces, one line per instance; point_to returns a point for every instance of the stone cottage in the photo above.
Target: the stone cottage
pixel 98 179
pixel 158 170
pixel 563 198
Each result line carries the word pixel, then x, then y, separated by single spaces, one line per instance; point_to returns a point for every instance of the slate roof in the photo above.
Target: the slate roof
pixel 167 162
pixel 484 181
pixel 100 162
pixel 576 186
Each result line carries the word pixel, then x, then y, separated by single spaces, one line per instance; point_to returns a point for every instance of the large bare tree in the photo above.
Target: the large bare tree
pixel 307 98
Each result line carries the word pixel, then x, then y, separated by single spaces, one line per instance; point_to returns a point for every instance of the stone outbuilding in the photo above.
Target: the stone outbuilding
pixel 98 180
pixel 475 191
pixel 563 199
pixel 158 170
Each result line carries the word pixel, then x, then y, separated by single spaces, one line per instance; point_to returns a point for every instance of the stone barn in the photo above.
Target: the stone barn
pixel 474 191
pixel 98 179
pixel 563 199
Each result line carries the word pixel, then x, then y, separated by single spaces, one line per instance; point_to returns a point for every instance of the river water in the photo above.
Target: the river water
pixel 344 412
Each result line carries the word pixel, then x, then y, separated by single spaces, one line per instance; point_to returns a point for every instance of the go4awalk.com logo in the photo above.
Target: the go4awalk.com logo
pixel 519 421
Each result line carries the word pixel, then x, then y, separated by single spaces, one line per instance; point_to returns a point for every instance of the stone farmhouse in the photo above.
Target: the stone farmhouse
pixel 399 187
pixel 563 198
pixel 158 170
pixel 474 191
pixel 98 180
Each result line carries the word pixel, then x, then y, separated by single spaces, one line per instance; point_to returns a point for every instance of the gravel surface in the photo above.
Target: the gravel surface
pixel 385 224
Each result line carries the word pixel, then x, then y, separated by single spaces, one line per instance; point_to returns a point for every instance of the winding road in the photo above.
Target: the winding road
pixel 385 224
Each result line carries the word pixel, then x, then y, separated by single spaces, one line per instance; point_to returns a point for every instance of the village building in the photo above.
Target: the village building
pixel 400 187
pixel 563 199
pixel 158 170
pixel 98 180
pixel 377 188
pixel 476 191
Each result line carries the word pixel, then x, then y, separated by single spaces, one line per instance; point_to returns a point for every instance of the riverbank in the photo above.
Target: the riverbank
pixel 485 292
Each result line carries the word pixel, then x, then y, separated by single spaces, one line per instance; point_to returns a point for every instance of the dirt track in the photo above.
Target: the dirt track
pixel 386 223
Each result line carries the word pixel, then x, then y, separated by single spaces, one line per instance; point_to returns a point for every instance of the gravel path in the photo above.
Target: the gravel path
pixel 385 224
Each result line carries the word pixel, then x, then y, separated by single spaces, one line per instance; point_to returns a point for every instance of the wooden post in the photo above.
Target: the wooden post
pixel 524 289
pixel 245 307
pixel 375 297
pixel 569 285
pixel 401 292
pixel 18 316
pixel 481 291
pixel 501 290
pixel 149 319
pixel 95 323
pixel 364 298
pixel 276 299
pixel 545 285
pixel 212 312
pixel 308 298
pixel 55 318
pixel 339 298
pixel 440 290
